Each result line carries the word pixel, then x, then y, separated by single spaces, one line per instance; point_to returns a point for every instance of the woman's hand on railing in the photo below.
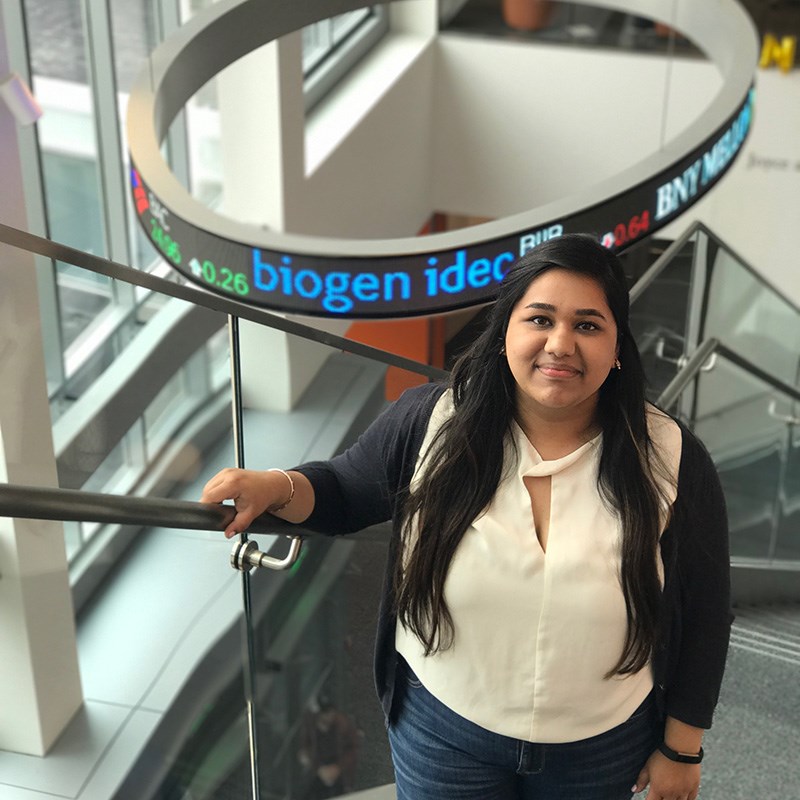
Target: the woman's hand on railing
pixel 252 492
pixel 288 496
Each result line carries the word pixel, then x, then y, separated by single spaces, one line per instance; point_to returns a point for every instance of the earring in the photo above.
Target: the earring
pixel 503 350
pixel 617 365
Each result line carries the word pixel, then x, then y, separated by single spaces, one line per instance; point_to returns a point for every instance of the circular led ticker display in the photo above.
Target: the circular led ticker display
pixel 377 283
pixel 410 285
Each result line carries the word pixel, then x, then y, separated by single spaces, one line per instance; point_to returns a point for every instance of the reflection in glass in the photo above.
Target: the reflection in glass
pixel 313 628
pixel 70 173
pixel 129 415
pixel 750 317
pixel 787 545
pixel 734 415
pixel 134 36
pixel 659 320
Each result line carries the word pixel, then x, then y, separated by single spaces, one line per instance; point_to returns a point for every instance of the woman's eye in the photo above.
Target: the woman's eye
pixel 539 320
pixel 587 326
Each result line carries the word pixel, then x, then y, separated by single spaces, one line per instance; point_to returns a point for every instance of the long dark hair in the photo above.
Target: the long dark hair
pixel 464 464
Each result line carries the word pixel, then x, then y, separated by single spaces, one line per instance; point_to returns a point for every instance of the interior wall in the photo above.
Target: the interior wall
pixel 756 206
pixel 517 126
pixel 377 182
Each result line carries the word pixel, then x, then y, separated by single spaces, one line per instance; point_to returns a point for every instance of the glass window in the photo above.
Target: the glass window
pixel 70 170
pixel 331 47
pixel 321 38
pixel 135 34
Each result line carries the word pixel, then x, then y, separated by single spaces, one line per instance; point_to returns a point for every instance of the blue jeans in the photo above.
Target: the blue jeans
pixel 439 755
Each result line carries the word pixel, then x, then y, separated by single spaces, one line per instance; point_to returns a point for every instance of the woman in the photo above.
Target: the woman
pixel 559 565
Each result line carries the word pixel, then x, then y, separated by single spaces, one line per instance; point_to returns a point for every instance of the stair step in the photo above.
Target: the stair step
pixel 773 632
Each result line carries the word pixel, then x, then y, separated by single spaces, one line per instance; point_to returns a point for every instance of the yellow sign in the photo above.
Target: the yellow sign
pixel 778 52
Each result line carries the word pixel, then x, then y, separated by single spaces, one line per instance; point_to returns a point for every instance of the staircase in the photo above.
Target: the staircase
pixel 769 631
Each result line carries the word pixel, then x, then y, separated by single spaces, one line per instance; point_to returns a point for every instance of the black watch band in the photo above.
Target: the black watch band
pixel 682 758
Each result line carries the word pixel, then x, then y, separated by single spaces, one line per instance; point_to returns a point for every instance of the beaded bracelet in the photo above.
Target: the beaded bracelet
pixel 273 509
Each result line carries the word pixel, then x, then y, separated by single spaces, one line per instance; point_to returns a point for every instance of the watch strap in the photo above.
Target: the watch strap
pixel 682 758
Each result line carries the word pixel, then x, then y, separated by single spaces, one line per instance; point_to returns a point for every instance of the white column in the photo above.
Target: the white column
pixel 262 118
pixel 40 688
pixel 415 16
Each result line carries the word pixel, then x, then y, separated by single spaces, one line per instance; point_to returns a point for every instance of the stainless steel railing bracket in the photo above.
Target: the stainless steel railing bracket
pixel 787 418
pixel 682 360
pixel 246 556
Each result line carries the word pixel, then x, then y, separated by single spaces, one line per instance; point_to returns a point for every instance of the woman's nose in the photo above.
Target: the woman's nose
pixel 560 342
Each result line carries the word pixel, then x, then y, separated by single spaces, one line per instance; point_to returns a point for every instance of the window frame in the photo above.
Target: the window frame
pixel 321 77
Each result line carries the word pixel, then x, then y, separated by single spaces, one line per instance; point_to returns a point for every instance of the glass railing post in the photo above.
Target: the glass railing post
pixel 694 317
pixel 249 644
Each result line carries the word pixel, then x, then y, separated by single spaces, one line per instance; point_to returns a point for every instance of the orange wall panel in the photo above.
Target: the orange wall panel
pixel 421 339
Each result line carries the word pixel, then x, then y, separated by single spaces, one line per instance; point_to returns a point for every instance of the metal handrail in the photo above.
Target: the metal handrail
pixel 699 358
pixel 72 505
pixel 112 269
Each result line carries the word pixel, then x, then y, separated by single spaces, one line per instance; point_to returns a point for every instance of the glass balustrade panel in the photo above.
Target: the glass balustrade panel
pixel 159 611
pixel 750 317
pixel 734 415
pixel 313 627
pixel 659 320
pixel 144 377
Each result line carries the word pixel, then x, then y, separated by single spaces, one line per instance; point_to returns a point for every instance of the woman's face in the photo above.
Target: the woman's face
pixel 561 343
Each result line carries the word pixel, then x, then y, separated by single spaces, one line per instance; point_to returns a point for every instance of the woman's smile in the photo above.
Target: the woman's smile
pixel 558 371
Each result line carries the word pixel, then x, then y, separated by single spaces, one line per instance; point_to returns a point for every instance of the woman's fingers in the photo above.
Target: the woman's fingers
pixel 670 780
pixel 247 489
pixel 642 780
pixel 223 486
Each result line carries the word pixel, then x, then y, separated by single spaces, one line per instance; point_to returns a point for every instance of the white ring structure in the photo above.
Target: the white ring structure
pixel 230 29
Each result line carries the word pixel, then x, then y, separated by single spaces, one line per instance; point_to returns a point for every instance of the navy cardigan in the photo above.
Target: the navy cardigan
pixel 363 485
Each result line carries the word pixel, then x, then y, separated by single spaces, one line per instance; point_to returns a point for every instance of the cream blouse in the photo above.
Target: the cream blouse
pixel 536 632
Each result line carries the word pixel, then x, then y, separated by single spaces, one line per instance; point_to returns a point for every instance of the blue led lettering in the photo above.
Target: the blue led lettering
pixel 265 277
pixel 304 276
pixel 430 276
pixel 336 299
pixel 339 292
pixel 452 279
pixel 286 275
pixel 462 274
pixel 498 273
pixel 366 287
pixel 389 279
pixel 480 272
